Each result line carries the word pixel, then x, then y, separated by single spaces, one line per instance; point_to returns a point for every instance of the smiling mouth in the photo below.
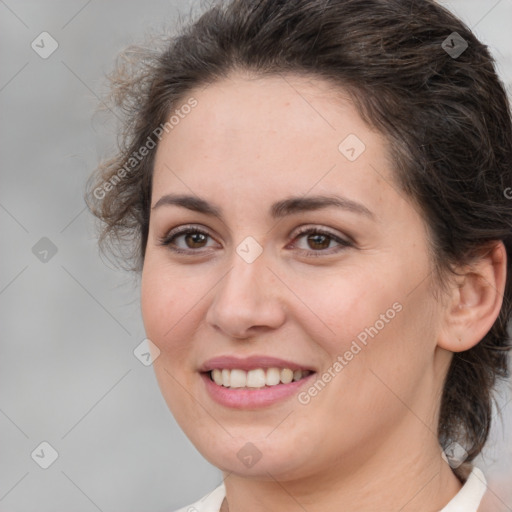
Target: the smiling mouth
pixel 257 378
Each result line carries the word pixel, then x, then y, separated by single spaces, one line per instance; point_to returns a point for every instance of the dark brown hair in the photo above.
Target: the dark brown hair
pixel 446 117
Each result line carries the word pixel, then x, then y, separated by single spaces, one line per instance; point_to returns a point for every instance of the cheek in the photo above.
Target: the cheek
pixel 348 305
pixel 166 304
pixel 370 318
pixel 387 354
pixel 170 310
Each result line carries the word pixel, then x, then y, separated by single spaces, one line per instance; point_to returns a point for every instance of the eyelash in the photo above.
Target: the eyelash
pixel 169 239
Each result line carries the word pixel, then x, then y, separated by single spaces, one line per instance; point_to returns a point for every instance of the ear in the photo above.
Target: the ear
pixel 475 300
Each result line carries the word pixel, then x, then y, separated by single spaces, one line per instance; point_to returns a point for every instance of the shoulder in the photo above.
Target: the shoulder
pixel 493 498
pixel 469 498
pixel 478 495
pixel 211 502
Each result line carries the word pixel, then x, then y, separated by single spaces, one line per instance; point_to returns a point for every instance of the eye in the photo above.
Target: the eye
pixel 191 237
pixel 320 241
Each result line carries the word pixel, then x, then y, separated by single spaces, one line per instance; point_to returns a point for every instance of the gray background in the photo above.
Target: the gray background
pixel 70 324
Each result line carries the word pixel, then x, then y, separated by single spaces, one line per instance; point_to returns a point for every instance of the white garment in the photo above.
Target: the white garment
pixel 467 499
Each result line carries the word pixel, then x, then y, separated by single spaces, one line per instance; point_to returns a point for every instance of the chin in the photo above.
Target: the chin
pixel 262 457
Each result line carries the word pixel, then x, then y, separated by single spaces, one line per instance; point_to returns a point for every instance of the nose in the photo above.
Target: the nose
pixel 247 300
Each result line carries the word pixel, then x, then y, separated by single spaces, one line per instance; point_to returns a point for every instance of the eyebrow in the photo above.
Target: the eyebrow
pixel 289 206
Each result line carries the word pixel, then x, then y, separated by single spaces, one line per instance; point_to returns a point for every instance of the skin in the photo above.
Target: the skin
pixel 368 440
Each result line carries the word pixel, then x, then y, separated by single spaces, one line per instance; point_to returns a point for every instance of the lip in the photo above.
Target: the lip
pixel 250 363
pixel 244 398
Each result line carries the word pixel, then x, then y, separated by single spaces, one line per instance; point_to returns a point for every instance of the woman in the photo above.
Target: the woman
pixel 315 195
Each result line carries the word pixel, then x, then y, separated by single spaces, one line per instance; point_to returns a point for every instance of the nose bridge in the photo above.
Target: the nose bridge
pixel 243 284
pixel 244 297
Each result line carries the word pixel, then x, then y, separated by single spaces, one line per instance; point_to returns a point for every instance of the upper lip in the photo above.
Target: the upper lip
pixel 249 363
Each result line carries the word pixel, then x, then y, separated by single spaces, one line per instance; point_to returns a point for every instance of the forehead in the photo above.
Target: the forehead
pixel 278 132
pixel 242 107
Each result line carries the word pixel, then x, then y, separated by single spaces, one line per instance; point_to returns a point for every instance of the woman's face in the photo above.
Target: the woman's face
pixel 293 250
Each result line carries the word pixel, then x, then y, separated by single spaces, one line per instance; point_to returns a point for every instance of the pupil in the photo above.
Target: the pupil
pixel 318 239
pixel 195 238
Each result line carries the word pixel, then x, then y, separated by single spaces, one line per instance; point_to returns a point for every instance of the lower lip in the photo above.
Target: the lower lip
pixel 244 398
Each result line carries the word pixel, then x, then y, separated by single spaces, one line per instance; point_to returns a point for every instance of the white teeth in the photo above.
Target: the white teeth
pixel 286 375
pixel 257 378
pixel 273 377
pixel 238 379
pixel 217 377
pixel 226 378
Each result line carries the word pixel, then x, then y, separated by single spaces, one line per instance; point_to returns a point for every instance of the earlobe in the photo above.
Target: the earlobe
pixel 476 299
